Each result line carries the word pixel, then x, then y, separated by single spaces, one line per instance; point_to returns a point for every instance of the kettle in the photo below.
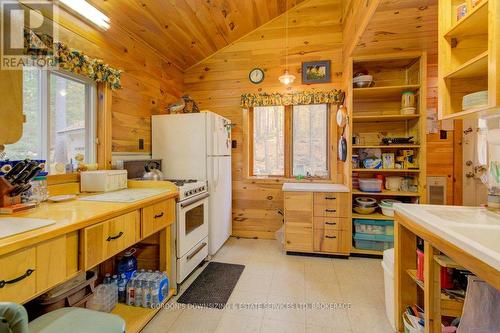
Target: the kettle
pixel 152 171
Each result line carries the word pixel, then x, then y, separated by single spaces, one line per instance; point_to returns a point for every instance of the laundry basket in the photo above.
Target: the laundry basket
pixel 388 266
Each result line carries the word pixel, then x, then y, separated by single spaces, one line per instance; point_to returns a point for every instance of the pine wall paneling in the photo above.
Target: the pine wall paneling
pixel 315 33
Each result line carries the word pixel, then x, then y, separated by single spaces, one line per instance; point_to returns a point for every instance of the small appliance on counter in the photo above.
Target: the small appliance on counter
pixel 136 168
pixel 103 180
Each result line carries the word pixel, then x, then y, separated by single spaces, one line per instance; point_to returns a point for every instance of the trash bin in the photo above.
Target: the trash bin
pixel 388 266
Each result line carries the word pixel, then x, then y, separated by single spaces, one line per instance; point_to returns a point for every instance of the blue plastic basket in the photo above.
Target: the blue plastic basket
pixel 374 227
pixel 373 242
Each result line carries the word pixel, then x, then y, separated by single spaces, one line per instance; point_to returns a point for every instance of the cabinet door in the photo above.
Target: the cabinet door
pixel 18 275
pixel 11 112
pixel 298 208
pixel 94 244
pixel 51 263
pixel 298 238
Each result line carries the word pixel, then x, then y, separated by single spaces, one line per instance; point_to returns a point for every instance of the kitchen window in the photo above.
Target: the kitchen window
pixel 60 111
pixel 289 141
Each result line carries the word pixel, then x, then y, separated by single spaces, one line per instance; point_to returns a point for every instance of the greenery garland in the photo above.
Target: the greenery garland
pixel 72 60
pixel 294 98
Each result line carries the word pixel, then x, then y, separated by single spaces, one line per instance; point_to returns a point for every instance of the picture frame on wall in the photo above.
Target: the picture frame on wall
pixel 316 72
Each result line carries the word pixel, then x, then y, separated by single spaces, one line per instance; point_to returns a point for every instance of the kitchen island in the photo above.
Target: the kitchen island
pixel 467 235
pixel 83 235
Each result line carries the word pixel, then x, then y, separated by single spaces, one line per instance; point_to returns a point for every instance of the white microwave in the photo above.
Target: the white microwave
pixel 103 180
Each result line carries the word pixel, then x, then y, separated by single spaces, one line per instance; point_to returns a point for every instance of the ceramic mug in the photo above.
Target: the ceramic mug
pixel 393 183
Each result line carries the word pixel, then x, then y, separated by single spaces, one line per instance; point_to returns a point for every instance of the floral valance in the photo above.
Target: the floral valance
pixel 294 98
pixel 72 60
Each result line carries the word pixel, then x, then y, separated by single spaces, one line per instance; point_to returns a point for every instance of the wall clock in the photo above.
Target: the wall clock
pixel 256 75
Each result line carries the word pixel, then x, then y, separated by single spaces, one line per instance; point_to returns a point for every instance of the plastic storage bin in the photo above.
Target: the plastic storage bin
pixel 374 227
pixel 370 184
pixel 388 266
pixel 373 242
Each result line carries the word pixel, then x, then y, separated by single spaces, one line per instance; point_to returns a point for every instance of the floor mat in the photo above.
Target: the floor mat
pixel 213 287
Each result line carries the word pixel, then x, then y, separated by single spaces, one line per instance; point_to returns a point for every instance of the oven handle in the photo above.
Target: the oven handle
pixel 194 200
pixel 191 256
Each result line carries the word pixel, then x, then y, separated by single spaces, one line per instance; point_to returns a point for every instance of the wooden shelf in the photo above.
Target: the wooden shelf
pixel 384 118
pixel 374 216
pixel 383 92
pixel 367 252
pixel 386 170
pixel 136 318
pixel 476 67
pixel 387 193
pixel 482 111
pixel 449 307
pixel 474 23
pixel 404 146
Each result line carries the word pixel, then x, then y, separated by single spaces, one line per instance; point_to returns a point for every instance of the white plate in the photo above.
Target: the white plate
pixel 61 198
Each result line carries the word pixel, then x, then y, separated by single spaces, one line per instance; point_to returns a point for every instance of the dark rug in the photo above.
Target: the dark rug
pixel 213 286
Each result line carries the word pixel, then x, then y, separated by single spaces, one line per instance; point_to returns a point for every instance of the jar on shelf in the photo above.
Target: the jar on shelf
pixel 39 190
pixel 408 99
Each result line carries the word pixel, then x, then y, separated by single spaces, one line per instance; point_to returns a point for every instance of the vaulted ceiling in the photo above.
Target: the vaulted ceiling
pixel 409 25
pixel 187 31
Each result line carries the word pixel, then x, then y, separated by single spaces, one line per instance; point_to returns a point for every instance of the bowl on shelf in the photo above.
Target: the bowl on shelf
pixel 365 202
pixel 363 81
pixel 364 210
pixel 387 206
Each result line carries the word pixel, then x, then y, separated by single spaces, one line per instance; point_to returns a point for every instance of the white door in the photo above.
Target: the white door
pixel 219 135
pixel 220 200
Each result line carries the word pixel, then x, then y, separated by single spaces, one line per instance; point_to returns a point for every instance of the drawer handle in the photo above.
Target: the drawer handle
pixel 330 198
pixel 331 223
pixel 331 237
pixel 110 238
pixel 330 210
pixel 195 252
pixel 22 277
pixel 159 215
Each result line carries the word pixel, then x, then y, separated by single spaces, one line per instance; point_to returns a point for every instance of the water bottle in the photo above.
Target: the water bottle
pixel 155 297
pixel 139 290
pixel 114 279
pixel 107 279
pixel 122 288
pixel 131 291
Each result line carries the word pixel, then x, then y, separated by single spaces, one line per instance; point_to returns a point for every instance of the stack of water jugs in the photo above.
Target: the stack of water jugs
pixel 147 289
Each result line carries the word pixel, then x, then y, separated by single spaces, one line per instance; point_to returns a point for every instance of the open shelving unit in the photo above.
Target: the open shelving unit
pixel 468 57
pixel 374 113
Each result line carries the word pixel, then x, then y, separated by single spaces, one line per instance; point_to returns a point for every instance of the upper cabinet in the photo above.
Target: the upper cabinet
pixel 468 57
pixel 11 109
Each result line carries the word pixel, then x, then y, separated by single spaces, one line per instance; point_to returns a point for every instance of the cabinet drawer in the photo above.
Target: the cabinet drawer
pixel 157 217
pixel 331 205
pixel 299 239
pixel 327 240
pixel 18 275
pixel 107 238
pixel 298 208
pixel 331 223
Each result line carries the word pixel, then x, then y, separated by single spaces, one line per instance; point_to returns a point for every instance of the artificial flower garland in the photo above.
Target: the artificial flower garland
pixel 294 98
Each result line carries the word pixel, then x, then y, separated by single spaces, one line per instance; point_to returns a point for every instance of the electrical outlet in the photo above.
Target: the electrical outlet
pixel 234 144
pixel 141 144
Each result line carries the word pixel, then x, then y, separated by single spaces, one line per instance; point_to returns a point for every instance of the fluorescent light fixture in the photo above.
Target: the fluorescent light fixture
pixel 88 11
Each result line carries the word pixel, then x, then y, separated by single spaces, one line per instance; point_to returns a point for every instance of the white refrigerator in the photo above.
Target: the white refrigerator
pixel 198 146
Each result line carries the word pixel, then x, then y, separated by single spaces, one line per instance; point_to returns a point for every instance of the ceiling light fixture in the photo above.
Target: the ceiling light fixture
pixel 286 78
pixel 88 11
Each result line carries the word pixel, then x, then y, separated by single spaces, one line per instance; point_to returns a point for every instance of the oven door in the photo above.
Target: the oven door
pixel 193 223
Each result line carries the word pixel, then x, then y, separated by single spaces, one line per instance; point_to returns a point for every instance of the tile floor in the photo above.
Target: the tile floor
pixel 270 276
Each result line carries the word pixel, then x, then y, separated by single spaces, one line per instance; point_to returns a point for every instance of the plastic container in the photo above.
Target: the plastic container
pixel 39 190
pixel 105 298
pixel 147 289
pixel 388 267
pixel 374 227
pixel 373 242
pixel 370 184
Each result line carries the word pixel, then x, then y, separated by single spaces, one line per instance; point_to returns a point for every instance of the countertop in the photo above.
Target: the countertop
pixel 71 216
pixel 314 187
pixel 474 230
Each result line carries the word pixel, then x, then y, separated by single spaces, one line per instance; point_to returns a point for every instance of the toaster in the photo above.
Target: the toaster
pixel 103 180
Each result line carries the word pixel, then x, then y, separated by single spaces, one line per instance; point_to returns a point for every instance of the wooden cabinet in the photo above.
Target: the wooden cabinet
pixel 105 239
pixel 317 222
pixel 11 112
pixel 51 263
pixel 156 217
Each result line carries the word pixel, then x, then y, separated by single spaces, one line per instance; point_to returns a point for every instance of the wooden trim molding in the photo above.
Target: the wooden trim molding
pixel 104 126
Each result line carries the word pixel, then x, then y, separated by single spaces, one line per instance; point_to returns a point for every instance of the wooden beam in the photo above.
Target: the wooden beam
pixel 104 126
pixel 357 16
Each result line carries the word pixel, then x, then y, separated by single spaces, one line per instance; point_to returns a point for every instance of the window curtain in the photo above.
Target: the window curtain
pixel 69 59
pixel 295 98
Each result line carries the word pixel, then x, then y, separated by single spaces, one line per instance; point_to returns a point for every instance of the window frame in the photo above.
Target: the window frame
pixel 288 143
pixel 91 111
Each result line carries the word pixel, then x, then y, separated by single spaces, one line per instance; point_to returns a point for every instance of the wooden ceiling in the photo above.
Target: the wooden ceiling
pixel 187 31
pixel 401 25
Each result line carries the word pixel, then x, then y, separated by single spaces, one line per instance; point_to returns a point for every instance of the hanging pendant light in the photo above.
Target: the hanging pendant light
pixel 286 78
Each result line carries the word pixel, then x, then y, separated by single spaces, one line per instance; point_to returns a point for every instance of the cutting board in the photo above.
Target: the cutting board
pixel 126 196
pixel 10 226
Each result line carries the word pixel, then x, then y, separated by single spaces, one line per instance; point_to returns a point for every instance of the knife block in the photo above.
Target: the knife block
pixel 5 199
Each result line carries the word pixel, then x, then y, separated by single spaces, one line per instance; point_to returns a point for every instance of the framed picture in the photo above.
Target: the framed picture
pixel 316 72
